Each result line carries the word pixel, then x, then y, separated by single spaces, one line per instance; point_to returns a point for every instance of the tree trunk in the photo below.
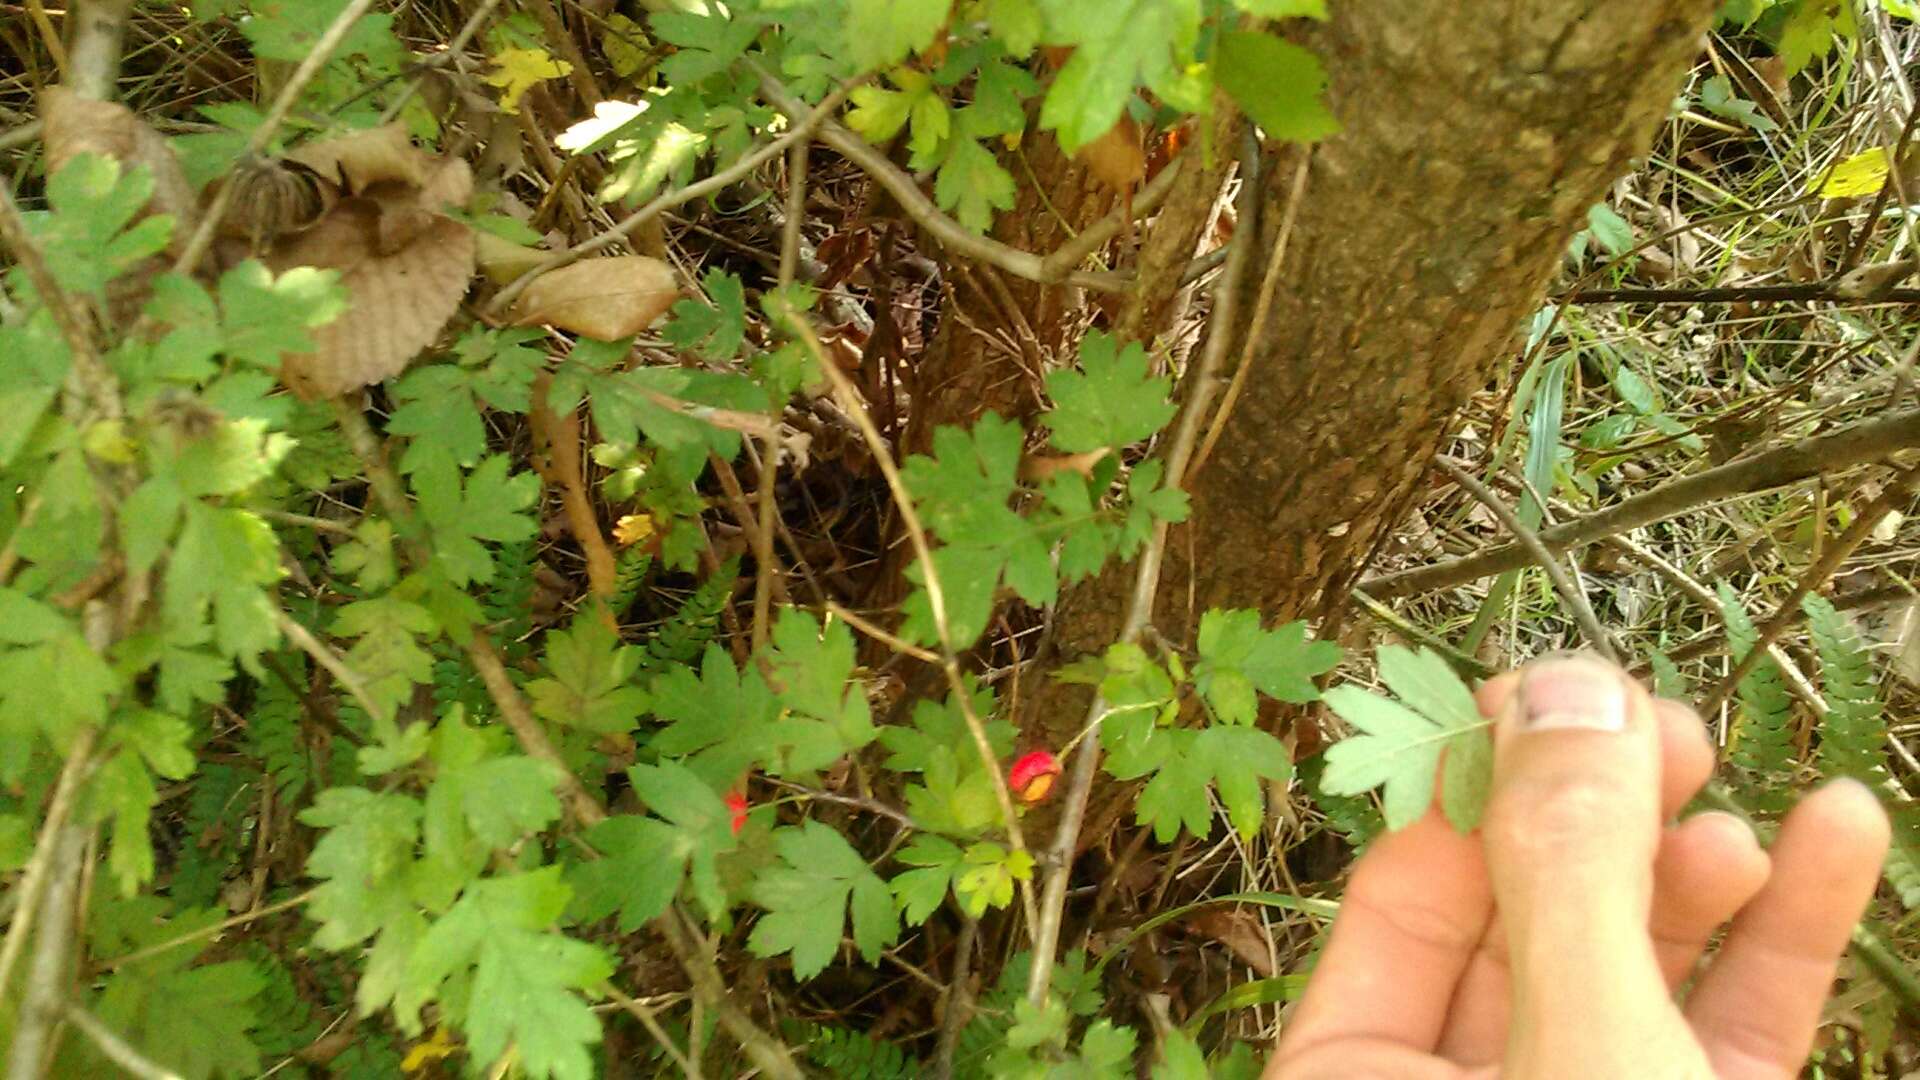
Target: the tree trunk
pixel 1473 143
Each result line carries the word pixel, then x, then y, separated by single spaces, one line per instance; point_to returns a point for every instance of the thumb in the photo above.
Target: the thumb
pixel 1570 834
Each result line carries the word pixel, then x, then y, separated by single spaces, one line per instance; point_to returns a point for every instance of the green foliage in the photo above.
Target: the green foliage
pixel 591 687
pixel 1762 739
pixel 853 1055
pixel 647 858
pixel 185 1015
pixel 808 898
pixel 680 639
pixel 1111 402
pixel 1398 744
pixel 1853 734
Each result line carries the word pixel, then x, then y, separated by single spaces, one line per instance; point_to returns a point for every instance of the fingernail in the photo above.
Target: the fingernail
pixel 1572 690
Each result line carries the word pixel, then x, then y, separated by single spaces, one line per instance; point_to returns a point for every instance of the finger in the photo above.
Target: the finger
pixel 1571 831
pixel 1686 753
pixel 1707 867
pixel 1756 1007
pixel 1413 912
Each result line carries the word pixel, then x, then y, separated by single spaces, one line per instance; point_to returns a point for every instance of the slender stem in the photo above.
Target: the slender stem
pixel 1222 324
pixel 803 129
pixel 117 1049
pixel 72 775
pixel 767 1052
pixel 689 1068
pixel 959 1003
pixel 1853 445
pixel 51 976
pixel 880 634
pixel 308 67
pixel 1900 490
pixel 1570 594
pixel 323 655
pixel 216 929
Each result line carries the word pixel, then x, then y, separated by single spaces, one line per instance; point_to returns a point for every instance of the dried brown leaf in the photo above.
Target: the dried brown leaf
pixel 405 269
pixel 360 159
pixel 77 125
pixel 599 298
pixel 1240 931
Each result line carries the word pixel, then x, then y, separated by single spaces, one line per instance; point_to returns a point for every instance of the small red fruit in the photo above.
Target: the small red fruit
pixel 1033 774
pixel 737 803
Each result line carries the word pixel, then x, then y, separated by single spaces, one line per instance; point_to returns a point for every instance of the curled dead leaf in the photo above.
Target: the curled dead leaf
pixel 77 125
pixel 607 298
pixel 359 159
pixel 405 267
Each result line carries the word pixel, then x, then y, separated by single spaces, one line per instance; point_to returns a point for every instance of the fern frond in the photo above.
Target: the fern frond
pixel 628 575
pixel 283 1020
pixel 508 602
pixel 212 822
pixel 273 732
pixel 1762 739
pixel 1853 735
pixel 853 1055
pixel 680 639
pixel 1667 680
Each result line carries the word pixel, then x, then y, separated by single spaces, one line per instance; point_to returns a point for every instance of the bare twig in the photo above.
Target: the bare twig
pixel 1597 637
pixel 331 661
pixel 959 999
pixel 117 1049
pixel 51 976
pixel 1899 491
pixel 215 930
pixel 914 202
pixel 1062 260
pixel 871 806
pixel 936 596
pixel 802 129
pixel 1204 383
pixel 308 67
pixel 1852 445
pixel 772 1056
pixel 459 42
pixel 689 1068
pixel 1268 283
pixel 880 634
pixel 40 863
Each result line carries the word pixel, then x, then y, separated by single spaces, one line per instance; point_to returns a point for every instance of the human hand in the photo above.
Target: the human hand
pixel 1550 942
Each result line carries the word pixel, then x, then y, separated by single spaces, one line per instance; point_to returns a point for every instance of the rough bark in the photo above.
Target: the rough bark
pixel 1473 143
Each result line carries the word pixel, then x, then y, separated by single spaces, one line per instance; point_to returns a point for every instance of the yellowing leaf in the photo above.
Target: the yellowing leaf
pixel 427 1051
pixel 625 44
pixel 519 70
pixel 1862 174
pixel 632 529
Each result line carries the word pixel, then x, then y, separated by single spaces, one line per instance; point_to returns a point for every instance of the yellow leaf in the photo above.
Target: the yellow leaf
pixel 428 1051
pixel 625 44
pixel 1861 174
pixel 632 529
pixel 520 69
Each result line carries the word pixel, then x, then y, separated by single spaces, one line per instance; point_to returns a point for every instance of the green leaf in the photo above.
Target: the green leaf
pixel 972 184
pixel 1809 31
pixel 1284 9
pixel 487 506
pixel 91 236
pixel 708 45
pixel 263 317
pixel 812 671
pixel 1017 23
pixel 192 1021
pixel 1112 403
pixel 883 32
pixel 361 861
pixel 1237 657
pixel 1609 229
pixel 986 874
pixel 220 566
pixel 527 980
pixel 1762 739
pixel 713 330
pixel 388 657
pixel 1118 46
pixel 1185 763
pixel 647 858
pixel 592 686
pixel 918 892
pixel 808 898
pixel 1277 83
pixel 723 718
pixel 1399 744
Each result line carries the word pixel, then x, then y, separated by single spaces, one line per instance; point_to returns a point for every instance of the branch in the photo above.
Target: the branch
pixel 1899 491
pixel 922 210
pixel 688 1067
pixel 1204 379
pixel 1853 445
pixel 1752 294
pixel 47 982
pixel 27 893
pixel 804 124
pixel 331 661
pixel 769 1053
pixel 116 1049
pixel 93 66
pixel 1575 600
pixel 94 384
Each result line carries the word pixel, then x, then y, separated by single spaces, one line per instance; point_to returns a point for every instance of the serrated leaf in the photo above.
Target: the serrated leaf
pixel 648 858
pixel 1112 402
pixel 883 32
pixel 821 882
pixel 1400 748
pixel 1237 657
pixel 972 184
pixel 1277 83
pixel 1118 47
pixel 591 686
pixel 518 70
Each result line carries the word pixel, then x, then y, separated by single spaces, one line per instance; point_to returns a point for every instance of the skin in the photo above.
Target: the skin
pixel 1550 942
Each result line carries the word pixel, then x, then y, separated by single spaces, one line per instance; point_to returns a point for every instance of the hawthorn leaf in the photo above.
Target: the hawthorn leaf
pixel 820 883
pixel 1112 402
